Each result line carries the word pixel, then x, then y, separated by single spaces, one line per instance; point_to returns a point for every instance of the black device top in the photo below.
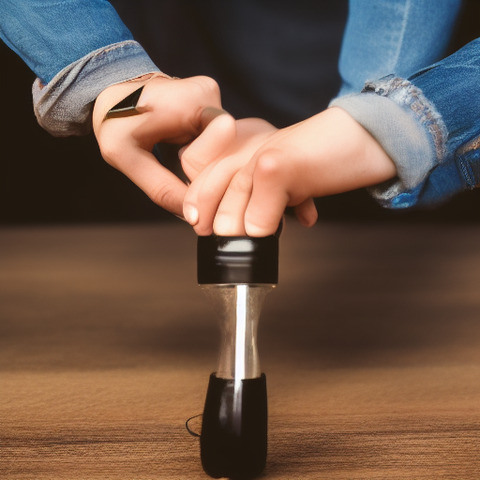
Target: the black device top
pixel 237 260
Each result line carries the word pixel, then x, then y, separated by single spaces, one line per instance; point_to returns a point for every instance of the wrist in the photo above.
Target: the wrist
pixel 365 155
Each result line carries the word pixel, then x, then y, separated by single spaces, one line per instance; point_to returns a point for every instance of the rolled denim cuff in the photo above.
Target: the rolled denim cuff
pixel 64 106
pixel 408 127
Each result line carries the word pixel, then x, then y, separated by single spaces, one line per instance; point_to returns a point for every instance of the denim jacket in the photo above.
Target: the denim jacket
pixel 424 110
pixel 76 48
pixel 421 108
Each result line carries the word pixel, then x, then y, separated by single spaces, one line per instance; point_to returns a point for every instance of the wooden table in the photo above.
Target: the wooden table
pixel 370 343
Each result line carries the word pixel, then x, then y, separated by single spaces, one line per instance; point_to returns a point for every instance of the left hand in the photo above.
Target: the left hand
pixel 265 170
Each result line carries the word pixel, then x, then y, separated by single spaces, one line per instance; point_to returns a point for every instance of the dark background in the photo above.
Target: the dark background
pixel 64 180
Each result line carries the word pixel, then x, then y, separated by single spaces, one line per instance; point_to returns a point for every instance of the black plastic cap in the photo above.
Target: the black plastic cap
pixel 237 260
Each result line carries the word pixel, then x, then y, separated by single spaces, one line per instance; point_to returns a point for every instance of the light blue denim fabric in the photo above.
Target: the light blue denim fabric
pixel 427 121
pixel 51 34
pixel 64 106
pixel 76 48
pixel 384 37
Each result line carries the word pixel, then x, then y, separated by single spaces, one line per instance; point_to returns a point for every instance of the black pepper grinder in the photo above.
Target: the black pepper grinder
pixel 236 273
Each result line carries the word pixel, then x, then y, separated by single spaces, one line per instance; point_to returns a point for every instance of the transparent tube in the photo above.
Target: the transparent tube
pixel 234 426
pixel 238 308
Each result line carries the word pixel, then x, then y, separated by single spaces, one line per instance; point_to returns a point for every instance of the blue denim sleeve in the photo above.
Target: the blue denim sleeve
pixel 429 125
pixel 76 48
pixel 51 34
pixel 399 37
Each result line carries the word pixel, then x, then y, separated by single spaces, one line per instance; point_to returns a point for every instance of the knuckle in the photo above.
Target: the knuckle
pixel 227 124
pixel 162 195
pixel 112 150
pixel 268 165
pixel 208 84
pixel 109 151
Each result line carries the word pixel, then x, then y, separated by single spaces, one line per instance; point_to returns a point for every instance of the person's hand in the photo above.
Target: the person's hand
pixel 211 165
pixel 168 110
pixel 326 154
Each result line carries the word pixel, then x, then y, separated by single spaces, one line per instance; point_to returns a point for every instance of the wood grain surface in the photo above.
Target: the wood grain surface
pixel 370 344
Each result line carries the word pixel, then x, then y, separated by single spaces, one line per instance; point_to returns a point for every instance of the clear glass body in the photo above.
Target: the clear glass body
pixel 238 308
pixel 233 442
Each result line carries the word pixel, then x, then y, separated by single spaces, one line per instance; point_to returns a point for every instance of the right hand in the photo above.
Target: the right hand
pixel 169 110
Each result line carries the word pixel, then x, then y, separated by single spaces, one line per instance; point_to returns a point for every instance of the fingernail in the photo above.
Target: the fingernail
pixel 191 214
pixel 224 225
pixel 253 230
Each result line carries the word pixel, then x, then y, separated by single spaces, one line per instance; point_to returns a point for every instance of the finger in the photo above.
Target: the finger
pixel 230 215
pixel 269 196
pixel 159 184
pixel 222 133
pixel 219 132
pixel 262 217
pixel 177 106
pixel 205 193
pixel 306 212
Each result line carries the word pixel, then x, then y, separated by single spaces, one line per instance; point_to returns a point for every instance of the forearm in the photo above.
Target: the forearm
pixel 428 125
pixel 76 48
pixel 64 106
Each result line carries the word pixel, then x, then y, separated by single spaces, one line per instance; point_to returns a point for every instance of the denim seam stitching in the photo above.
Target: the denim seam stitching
pixel 402 34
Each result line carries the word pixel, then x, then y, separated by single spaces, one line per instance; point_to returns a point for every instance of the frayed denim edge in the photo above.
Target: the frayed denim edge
pixel 63 107
pixel 404 93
